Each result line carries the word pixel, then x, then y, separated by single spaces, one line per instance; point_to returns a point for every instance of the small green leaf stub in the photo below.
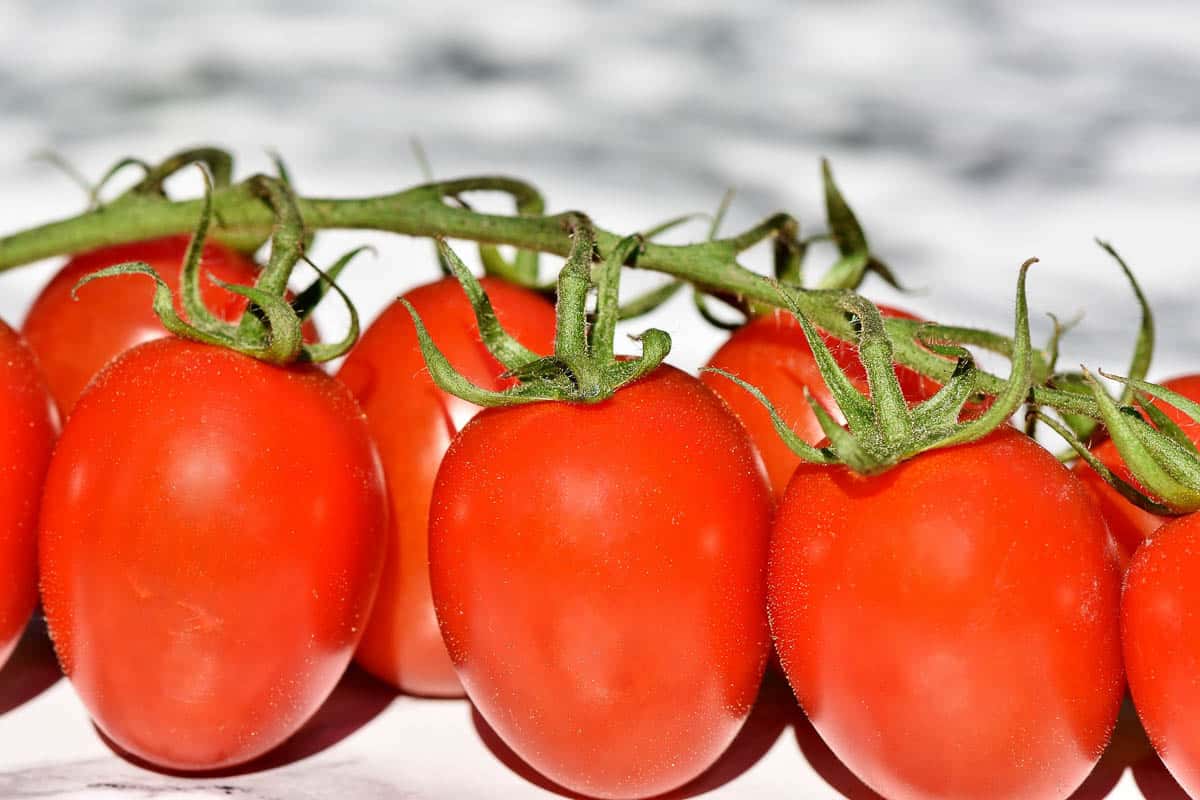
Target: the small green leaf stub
pixel 584 367
pixel 1160 456
pixel 881 428
pixel 270 328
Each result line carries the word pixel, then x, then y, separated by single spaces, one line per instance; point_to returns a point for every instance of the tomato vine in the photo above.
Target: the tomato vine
pixel 247 213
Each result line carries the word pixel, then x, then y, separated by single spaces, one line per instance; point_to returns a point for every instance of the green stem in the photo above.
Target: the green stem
pixel 244 220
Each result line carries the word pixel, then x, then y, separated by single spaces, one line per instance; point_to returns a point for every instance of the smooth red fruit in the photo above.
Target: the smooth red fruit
pixel 598 573
pixel 771 353
pixel 1129 524
pixel 951 626
pixel 27 429
pixel 212 534
pixel 73 340
pixel 1160 616
pixel 413 422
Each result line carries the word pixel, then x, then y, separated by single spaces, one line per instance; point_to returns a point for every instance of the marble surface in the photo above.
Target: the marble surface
pixel 968 136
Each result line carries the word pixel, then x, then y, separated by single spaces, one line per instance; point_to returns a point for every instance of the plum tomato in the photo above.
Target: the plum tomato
pixel 212 533
pixel 598 572
pixel 413 422
pixel 951 625
pixel 1160 616
pixel 27 430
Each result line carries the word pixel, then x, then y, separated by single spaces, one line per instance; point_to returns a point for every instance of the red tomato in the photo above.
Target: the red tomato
pixel 73 340
pixel 27 428
pixel 1160 615
pixel 951 626
pixel 772 353
pixel 212 534
pixel 1129 524
pixel 413 422
pixel 598 573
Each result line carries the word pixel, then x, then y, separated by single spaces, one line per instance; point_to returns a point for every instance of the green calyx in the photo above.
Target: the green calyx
pixel 881 428
pixel 584 368
pixel 1156 450
pixel 1083 426
pixel 270 329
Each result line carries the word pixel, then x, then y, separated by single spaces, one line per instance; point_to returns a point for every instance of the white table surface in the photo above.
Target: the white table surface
pixel 967 136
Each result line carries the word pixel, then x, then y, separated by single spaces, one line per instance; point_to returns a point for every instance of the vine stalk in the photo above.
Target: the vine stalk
pixel 244 220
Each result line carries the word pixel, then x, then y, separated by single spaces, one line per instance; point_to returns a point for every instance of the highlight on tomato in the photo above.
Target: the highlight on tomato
pixel 27 430
pixel 597 549
pixel 75 336
pixel 213 527
pixel 412 422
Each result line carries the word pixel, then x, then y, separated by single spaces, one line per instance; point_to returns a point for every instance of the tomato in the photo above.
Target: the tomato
pixel 27 430
pixel 73 340
pixel 951 626
pixel 211 537
pixel 598 573
pixel 413 422
pixel 1129 524
pixel 772 353
pixel 1160 615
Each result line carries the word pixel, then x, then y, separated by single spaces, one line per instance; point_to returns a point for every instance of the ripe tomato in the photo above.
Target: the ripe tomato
pixel 1129 524
pixel 413 422
pixel 1160 616
pixel 951 626
pixel 27 429
pixel 73 340
pixel 598 573
pixel 211 538
pixel 772 353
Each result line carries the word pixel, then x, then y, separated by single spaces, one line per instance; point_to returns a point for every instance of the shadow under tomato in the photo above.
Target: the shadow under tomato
pixel 356 700
pixel 773 711
pixel 1155 782
pixel 827 765
pixel 31 669
pixel 1128 748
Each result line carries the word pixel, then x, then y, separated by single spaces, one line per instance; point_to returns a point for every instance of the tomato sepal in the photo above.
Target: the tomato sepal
pixel 584 368
pixel 881 430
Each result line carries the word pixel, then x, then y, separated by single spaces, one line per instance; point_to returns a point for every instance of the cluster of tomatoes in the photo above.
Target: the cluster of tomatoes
pixel 218 537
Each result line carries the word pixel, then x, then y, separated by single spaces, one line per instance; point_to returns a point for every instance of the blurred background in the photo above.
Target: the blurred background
pixel 967 136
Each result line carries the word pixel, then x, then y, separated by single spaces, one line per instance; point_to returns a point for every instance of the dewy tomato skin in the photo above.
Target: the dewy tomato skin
pixel 598 573
pixel 1131 525
pixel 951 626
pixel 27 430
pixel 73 339
pixel 771 353
pixel 413 422
pixel 1160 622
pixel 211 538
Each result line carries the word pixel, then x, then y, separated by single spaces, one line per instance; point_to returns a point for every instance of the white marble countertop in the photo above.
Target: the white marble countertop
pixel 968 136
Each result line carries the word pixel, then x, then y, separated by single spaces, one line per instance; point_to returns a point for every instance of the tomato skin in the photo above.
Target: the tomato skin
pixel 73 340
pixel 412 422
pixel 951 626
pixel 598 573
pixel 211 537
pixel 771 353
pixel 26 439
pixel 1131 525
pixel 1160 617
